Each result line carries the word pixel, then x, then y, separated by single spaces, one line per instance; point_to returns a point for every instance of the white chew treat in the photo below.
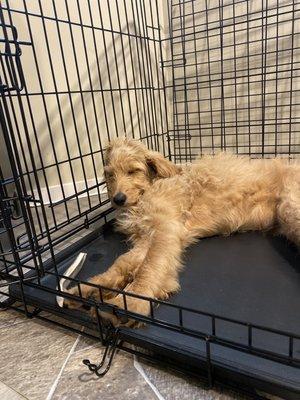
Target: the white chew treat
pixel 71 272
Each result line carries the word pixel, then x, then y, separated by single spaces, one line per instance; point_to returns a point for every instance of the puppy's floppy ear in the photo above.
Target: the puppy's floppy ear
pixel 107 153
pixel 159 166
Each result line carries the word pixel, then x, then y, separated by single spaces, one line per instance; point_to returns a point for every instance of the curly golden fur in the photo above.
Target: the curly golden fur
pixel 167 207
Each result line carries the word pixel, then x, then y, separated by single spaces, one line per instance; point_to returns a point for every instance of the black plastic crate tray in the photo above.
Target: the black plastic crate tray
pixel 249 277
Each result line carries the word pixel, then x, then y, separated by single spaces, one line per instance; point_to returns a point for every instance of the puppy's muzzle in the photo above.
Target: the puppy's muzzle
pixel 119 199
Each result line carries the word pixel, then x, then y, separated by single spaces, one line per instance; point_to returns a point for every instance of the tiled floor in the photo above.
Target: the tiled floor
pixel 40 361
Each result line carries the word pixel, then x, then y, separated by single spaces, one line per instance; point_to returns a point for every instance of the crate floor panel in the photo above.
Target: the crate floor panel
pixel 249 277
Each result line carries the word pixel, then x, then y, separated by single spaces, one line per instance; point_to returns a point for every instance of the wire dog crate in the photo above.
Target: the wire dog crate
pixel 186 78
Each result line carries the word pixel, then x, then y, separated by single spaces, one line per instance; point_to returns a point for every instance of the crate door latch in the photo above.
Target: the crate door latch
pixel 103 367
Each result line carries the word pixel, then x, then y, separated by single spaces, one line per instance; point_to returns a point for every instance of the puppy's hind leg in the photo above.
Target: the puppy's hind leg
pixel 289 207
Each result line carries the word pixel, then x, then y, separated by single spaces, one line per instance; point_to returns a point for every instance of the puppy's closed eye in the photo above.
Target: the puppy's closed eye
pixel 133 171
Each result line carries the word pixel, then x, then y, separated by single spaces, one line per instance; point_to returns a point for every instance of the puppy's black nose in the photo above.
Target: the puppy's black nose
pixel 119 199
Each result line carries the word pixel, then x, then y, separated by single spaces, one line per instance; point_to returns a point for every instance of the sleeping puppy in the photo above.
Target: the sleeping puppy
pixel 163 208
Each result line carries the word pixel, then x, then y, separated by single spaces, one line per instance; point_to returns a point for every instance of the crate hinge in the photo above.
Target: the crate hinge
pixel 12 56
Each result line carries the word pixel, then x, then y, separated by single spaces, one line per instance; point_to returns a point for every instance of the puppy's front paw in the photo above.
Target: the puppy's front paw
pixel 134 305
pixel 86 292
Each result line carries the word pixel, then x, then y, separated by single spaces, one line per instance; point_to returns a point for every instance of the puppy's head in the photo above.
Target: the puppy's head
pixel 130 168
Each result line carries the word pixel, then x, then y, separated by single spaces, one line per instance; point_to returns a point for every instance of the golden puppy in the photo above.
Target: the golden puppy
pixel 165 207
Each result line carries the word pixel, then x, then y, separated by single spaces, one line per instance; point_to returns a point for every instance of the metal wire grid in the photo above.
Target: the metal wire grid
pixel 235 67
pixel 78 76
pixel 74 76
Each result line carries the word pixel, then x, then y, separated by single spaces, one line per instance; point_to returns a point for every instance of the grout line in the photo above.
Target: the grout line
pixel 14 390
pixel 9 324
pixel 92 346
pixel 16 321
pixel 140 369
pixel 55 383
